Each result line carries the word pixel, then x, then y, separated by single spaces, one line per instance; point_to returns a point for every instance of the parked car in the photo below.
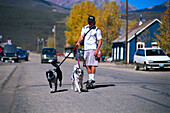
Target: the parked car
pixel 22 54
pixel 48 55
pixel 151 58
pixel 1 52
pixel 10 53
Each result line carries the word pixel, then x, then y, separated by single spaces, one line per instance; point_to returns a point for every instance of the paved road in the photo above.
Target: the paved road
pixel 117 90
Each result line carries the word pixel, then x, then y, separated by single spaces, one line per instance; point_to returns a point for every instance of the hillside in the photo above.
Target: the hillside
pixel 35 4
pixel 24 21
pixel 23 26
pixel 149 13
pixel 98 3
pixel 161 8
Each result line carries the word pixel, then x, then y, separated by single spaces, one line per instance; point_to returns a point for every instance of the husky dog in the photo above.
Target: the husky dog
pixel 77 79
pixel 53 75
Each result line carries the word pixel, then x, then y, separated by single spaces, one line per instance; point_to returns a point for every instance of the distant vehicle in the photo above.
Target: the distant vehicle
pixel 48 55
pixel 68 50
pixel 59 54
pixel 109 59
pixel 22 54
pixel 10 53
pixel 1 52
pixel 151 58
pixel 80 54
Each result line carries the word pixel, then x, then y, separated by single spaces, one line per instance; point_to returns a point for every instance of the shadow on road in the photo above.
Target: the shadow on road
pixel 103 85
pixel 158 70
pixel 62 90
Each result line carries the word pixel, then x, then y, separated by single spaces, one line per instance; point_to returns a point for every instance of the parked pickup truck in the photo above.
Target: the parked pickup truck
pixel 10 53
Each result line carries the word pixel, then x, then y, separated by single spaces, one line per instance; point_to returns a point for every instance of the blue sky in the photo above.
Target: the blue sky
pixel 141 4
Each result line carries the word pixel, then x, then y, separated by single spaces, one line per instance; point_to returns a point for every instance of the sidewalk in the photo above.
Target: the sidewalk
pixel 6 71
pixel 117 65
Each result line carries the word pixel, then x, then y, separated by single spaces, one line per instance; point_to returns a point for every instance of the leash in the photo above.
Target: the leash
pixel 68 55
pixel 78 57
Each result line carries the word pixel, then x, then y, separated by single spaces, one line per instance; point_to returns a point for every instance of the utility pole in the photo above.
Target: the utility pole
pixel 126 30
pixel 42 40
pixel 54 36
pixel 38 44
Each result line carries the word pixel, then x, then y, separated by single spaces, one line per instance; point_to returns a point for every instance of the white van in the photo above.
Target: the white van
pixel 151 58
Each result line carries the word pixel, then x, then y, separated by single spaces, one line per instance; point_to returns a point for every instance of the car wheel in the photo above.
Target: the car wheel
pixel 145 67
pixel 136 67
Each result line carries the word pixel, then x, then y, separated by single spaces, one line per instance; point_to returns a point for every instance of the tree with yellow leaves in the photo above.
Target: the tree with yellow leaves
pixel 77 19
pixel 50 42
pixel 109 22
pixel 164 36
pixel 132 23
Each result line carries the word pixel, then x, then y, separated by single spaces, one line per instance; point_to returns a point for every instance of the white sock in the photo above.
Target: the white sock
pixel 51 89
pixel 91 76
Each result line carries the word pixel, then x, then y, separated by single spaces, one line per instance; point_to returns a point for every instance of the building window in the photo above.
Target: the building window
pixel 140 45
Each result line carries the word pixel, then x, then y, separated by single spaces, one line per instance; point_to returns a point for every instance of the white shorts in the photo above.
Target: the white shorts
pixel 90 58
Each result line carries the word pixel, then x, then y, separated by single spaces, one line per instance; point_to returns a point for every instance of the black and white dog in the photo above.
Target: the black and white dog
pixel 53 75
pixel 77 79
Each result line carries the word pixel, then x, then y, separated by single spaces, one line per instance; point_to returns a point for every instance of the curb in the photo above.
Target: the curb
pixel 7 78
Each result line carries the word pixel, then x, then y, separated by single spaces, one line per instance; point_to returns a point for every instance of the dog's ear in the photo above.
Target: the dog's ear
pixel 76 66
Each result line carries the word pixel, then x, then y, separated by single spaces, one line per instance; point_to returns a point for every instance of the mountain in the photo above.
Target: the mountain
pixel 70 3
pixel 162 7
pixel 35 4
pixel 23 26
pixel 149 13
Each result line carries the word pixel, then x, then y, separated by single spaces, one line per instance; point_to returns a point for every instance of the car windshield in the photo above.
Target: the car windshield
pixel 155 52
pixel 49 51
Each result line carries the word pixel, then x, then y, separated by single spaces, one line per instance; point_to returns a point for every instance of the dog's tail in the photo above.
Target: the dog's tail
pixel 54 63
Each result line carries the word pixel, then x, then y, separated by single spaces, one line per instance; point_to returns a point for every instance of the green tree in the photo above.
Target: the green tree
pixel 163 39
pixel 109 22
pixel 77 19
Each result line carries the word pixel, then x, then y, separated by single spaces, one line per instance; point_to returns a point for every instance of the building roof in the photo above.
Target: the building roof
pixel 135 30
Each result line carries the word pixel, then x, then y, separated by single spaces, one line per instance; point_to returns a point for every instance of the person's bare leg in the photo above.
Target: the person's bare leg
pixel 89 71
pixel 93 70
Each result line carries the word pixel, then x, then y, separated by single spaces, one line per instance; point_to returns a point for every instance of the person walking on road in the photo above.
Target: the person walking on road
pixel 92 36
